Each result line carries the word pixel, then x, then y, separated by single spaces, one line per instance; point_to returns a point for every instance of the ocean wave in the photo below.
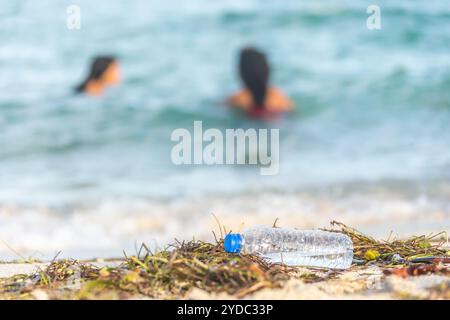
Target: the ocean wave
pixel 371 105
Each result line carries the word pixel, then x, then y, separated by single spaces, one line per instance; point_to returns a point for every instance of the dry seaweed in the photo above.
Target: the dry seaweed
pixel 195 264
pixel 175 271
pixel 169 273
pixel 395 251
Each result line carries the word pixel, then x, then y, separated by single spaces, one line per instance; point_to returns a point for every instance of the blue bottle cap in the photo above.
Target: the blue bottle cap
pixel 233 243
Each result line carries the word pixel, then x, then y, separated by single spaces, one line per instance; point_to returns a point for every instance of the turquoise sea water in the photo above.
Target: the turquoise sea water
pixel 373 107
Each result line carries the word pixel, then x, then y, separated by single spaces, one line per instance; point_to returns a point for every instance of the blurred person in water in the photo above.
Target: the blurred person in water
pixel 258 98
pixel 104 72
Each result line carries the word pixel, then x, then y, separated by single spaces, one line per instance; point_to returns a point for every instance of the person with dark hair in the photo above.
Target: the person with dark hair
pixel 104 72
pixel 258 98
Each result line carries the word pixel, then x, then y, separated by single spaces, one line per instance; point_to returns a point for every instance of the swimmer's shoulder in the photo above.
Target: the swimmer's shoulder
pixel 277 101
pixel 93 88
pixel 241 99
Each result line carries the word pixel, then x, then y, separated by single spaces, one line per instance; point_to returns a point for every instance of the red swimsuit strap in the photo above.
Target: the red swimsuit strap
pixel 259 112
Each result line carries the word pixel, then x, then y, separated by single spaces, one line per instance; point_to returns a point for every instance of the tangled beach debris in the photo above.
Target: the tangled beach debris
pixel 198 269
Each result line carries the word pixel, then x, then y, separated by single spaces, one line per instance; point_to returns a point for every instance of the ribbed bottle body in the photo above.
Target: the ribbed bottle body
pixel 314 248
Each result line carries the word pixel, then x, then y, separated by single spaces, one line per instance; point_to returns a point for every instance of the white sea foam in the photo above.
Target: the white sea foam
pixel 107 228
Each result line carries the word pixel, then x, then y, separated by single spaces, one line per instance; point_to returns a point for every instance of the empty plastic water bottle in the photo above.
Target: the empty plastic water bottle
pixel 293 247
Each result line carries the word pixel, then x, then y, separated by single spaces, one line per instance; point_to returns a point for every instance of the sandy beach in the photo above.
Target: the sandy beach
pixel 412 268
pixel 355 284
